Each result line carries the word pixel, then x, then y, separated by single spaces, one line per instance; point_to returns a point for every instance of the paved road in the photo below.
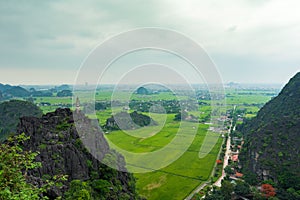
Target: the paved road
pixel 226 157
pixel 197 190
pixel 227 154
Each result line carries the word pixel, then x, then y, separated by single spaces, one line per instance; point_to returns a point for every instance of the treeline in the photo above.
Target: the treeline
pixel 8 92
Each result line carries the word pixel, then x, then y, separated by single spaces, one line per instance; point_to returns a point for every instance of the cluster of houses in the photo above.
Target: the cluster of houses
pixel 235 148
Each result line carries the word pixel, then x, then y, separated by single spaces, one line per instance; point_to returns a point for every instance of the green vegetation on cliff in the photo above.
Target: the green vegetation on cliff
pixel 53 147
pixel 14 166
pixel 11 111
pixel 271 149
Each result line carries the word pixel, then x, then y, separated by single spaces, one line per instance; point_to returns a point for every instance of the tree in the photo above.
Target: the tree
pixel 268 190
pixel 226 189
pixel 250 177
pixel 181 116
pixel 215 195
pixel 222 154
pixel 228 170
pixel 14 166
pixel 79 190
pixel 242 188
pixel 102 186
pixel 64 93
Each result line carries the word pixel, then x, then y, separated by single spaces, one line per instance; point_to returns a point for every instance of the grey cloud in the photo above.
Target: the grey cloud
pixel 59 34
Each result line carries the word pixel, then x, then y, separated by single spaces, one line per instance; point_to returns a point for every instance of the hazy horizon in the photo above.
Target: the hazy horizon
pixel 194 85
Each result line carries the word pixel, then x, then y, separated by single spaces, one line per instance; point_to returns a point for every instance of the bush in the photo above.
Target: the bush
pixel 79 190
pixel 14 166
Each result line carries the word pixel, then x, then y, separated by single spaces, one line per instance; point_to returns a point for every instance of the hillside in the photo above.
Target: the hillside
pixel 8 91
pixel 4 87
pixel 129 121
pixel 11 111
pixel 62 152
pixel 272 138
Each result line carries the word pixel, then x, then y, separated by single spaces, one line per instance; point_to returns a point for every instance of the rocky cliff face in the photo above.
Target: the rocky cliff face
pixel 271 150
pixel 61 149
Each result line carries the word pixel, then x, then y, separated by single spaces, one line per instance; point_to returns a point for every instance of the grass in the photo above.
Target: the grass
pixel 248 116
pixel 248 97
pixel 123 95
pixel 103 115
pixel 54 100
pixel 46 109
pixel 131 141
pixel 178 179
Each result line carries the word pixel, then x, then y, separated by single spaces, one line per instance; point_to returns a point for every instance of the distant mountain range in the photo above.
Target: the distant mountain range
pixel 12 91
pixel 9 91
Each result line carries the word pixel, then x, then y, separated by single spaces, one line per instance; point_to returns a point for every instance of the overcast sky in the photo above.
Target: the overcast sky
pixel 250 41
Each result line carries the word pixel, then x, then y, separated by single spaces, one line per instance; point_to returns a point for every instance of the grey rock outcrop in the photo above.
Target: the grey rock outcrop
pixel 62 151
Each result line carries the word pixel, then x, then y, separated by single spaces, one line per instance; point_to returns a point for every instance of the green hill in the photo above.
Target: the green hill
pixel 129 121
pixel 12 111
pixel 272 138
pixel 9 91
pixel 17 91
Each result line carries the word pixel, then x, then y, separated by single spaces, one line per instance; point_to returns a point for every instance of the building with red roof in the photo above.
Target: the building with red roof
pixel 235 158
pixel 238 175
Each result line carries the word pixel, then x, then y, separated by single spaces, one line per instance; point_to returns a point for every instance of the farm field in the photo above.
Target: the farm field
pixel 182 176
pixel 178 179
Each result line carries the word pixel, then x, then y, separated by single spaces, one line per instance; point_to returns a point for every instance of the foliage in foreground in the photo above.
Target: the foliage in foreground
pixel 14 166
